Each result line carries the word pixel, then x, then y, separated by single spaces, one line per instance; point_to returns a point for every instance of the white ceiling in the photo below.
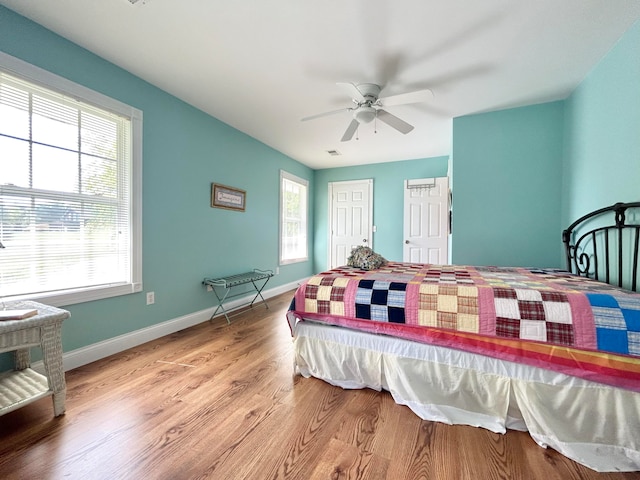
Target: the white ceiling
pixel 261 66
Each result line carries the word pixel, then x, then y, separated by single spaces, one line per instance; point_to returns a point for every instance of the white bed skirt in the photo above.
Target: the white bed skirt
pixel 593 424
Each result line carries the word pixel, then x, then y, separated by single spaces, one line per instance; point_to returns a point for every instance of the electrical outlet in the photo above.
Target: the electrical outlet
pixel 277 270
pixel 151 298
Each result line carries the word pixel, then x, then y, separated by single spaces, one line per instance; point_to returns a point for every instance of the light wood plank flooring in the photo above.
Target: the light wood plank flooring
pixel 219 401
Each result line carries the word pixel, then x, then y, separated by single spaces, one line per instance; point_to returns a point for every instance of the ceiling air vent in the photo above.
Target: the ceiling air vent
pixel 333 153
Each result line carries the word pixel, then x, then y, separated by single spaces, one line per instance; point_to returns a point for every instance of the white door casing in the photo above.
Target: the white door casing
pixel 350 218
pixel 426 220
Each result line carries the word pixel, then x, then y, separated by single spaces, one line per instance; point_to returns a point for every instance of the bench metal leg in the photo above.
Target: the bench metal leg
pixel 220 304
pixel 259 294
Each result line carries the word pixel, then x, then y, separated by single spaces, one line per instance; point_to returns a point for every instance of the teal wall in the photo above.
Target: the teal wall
pixel 602 141
pixel 520 176
pixel 388 198
pixel 507 169
pixel 184 239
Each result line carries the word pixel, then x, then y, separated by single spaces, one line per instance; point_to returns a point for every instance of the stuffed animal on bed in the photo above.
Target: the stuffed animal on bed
pixel 365 258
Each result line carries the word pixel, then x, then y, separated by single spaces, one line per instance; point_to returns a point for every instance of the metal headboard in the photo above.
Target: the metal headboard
pixel 606 252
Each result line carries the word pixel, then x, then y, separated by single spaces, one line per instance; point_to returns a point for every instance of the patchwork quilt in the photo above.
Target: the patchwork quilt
pixel 542 317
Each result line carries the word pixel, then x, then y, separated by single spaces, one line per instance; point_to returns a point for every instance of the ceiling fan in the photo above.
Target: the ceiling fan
pixel 369 106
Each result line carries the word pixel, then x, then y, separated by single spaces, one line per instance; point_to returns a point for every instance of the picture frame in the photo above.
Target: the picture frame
pixel 230 198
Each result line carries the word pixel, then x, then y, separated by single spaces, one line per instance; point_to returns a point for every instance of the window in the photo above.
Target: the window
pixel 70 178
pixel 293 218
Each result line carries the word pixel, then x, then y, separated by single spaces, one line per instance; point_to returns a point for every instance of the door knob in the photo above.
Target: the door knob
pixel 407 242
pixel 364 240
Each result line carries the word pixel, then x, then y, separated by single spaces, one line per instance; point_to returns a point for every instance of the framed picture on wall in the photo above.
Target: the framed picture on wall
pixel 230 198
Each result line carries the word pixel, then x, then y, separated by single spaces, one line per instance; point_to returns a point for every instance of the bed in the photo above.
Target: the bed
pixel 540 350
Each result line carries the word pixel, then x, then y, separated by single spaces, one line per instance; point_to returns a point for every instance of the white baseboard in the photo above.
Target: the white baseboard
pixel 91 353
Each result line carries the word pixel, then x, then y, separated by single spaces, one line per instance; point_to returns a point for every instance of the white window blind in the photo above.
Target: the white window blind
pixel 66 169
pixel 293 218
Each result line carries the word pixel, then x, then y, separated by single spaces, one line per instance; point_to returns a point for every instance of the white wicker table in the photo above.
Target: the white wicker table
pixel 24 385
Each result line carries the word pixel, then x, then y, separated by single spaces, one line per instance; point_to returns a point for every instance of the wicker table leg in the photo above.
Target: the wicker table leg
pixel 54 369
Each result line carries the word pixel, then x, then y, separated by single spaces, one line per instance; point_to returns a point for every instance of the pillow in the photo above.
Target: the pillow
pixel 365 258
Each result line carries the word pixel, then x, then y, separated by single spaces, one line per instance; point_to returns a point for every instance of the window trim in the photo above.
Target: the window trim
pixel 294 178
pixel 29 72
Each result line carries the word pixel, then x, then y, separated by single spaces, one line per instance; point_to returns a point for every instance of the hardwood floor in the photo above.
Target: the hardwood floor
pixel 220 401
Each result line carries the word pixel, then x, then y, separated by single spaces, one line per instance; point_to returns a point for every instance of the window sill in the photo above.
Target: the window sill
pixel 71 297
pixel 296 260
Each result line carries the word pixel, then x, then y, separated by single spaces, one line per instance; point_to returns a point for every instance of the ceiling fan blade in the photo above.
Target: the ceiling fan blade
pixel 352 90
pixel 351 129
pixel 325 114
pixel 393 121
pixel 406 98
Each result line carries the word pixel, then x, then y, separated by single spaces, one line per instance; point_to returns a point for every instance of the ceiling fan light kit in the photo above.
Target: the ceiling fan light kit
pixel 365 114
pixel 368 106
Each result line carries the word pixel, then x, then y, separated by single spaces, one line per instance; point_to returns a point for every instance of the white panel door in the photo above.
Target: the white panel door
pixel 426 221
pixel 351 218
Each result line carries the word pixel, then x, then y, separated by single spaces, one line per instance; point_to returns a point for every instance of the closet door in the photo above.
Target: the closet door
pixel 426 220
pixel 351 218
